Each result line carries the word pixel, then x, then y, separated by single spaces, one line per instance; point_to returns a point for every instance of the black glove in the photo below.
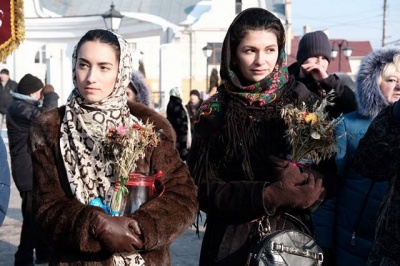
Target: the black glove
pixel 293 188
pixel 116 233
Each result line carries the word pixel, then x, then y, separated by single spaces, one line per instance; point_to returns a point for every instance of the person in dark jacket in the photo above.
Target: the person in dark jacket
pixel 239 133
pixel 7 87
pixel 358 198
pixel 4 181
pixel 313 58
pixel 378 157
pixel 22 111
pixel 193 105
pixel 178 116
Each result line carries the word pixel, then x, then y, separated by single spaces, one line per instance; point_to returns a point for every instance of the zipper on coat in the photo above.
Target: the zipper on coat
pixel 364 206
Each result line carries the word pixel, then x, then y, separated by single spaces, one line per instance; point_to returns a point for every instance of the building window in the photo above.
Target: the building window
pixel 40 57
pixel 215 58
pixel 238 6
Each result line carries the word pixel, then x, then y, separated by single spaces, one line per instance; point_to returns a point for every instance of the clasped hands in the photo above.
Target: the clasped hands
pixel 117 234
pixel 293 187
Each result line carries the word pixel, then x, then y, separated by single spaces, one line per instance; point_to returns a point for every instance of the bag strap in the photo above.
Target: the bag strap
pixel 297 222
pixel 264 226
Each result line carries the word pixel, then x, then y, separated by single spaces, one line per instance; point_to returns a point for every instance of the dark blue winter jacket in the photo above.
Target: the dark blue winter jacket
pixel 358 198
pixel 4 181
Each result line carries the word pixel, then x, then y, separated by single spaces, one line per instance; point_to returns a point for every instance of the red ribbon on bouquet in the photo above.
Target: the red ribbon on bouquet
pixel 299 164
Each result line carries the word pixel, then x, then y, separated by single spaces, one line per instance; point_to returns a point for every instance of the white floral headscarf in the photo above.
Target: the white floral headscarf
pixel 84 124
pixel 89 173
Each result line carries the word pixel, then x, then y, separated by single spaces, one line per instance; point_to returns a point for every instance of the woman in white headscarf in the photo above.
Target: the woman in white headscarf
pixel 71 168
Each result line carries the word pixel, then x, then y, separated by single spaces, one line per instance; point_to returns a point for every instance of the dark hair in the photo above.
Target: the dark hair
pixel 256 19
pixel 103 36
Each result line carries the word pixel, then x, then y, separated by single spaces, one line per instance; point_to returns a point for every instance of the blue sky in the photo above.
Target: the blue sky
pixel 353 20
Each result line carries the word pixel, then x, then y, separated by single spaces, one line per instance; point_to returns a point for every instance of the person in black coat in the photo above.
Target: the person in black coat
pixel 7 87
pixel 178 116
pixel 313 59
pixel 192 106
pixel 23 110
pixel 238 135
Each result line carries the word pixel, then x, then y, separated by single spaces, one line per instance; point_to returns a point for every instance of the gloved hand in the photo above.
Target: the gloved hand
pixel 117 233
pixel 293 188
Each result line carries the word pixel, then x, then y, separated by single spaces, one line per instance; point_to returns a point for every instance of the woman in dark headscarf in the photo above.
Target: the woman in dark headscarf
pixel 239 134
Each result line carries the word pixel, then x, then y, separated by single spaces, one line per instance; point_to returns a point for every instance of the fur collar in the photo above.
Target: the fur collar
pixel 370 99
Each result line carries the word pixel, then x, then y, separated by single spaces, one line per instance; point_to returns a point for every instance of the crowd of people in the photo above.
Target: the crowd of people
pixel 226 155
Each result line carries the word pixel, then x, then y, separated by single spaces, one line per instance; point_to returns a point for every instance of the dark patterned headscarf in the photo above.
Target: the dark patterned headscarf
pixel 84 124
pixel 236 94
pixel 233 83
pixel 264 91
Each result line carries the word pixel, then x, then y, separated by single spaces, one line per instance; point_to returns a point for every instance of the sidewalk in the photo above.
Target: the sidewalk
pixel 184 251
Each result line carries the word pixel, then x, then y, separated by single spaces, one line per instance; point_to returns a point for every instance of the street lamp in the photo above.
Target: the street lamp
pixel 112 18
pixel 207 51
pixel 346 50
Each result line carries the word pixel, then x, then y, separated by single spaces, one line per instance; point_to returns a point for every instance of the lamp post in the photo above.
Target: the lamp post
pixel 207 51
pixel 112 18
pixel 346 50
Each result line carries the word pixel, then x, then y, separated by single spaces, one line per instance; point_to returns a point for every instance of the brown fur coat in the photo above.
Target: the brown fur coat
pixel 64 221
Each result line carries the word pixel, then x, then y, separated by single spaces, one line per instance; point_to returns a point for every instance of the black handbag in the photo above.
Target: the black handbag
pixel 285 247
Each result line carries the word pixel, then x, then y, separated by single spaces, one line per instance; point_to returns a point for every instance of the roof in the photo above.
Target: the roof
pixel 359 49
pixel 174 11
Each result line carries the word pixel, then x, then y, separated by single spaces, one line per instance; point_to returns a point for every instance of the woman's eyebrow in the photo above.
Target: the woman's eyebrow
pixel 100 63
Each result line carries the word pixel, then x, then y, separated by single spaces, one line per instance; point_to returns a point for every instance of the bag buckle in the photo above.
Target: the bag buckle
pixel 264 226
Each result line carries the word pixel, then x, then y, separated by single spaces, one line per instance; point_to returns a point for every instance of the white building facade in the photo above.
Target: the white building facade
pixel 169 47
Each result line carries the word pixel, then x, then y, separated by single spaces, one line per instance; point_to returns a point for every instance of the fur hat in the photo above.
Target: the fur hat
pixel 141 90
pixel 195 92
pixel 29 84
pixel 370 99
pixel 313 44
